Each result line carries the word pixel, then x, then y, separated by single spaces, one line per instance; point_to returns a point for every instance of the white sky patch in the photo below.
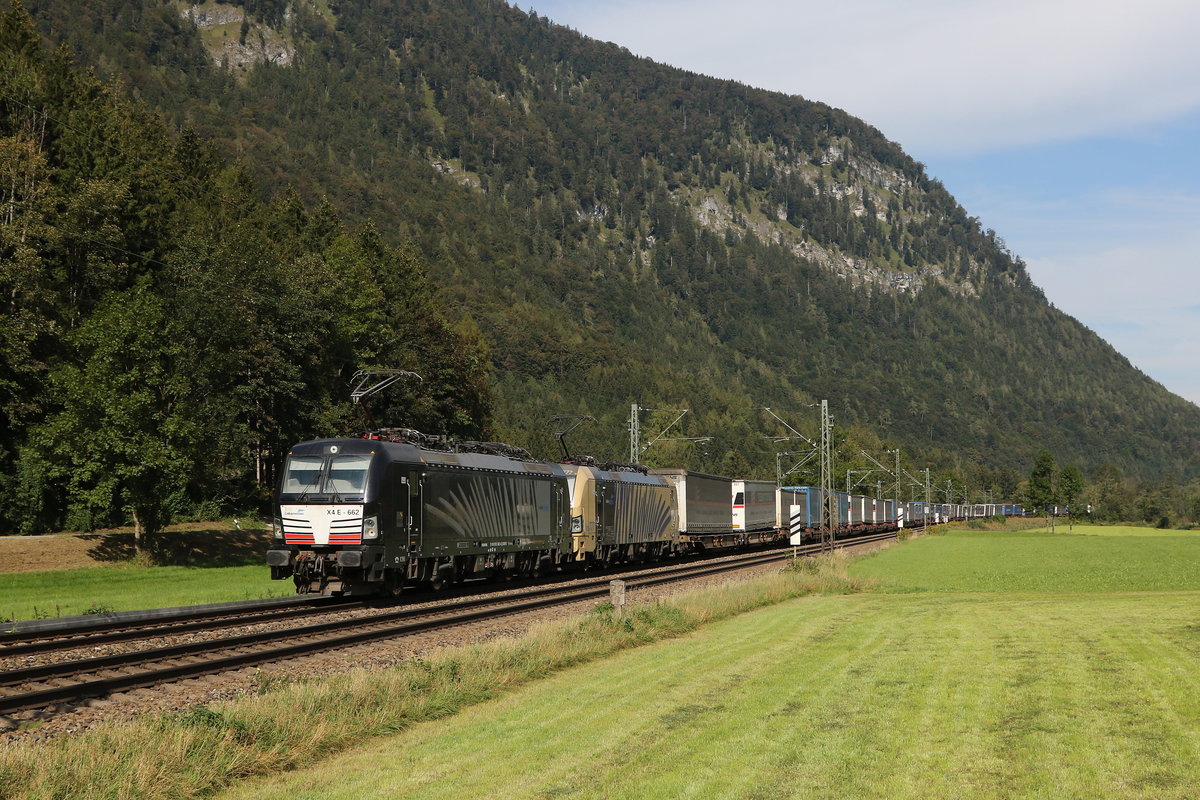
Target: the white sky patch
pixel 1127 224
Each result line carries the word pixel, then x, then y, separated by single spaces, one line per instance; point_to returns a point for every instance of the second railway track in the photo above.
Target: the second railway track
pixel 68 683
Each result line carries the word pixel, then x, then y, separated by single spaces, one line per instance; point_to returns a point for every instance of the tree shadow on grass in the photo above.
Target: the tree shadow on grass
pixel 195 548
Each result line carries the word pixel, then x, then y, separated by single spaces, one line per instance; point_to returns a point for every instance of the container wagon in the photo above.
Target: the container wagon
pixel 754 505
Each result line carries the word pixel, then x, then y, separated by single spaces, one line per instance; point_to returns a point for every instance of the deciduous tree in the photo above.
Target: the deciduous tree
pixel 1040 492
pixel 126 437
pixel 1070 485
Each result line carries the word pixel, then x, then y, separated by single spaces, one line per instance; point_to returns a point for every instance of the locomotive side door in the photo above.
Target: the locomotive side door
pixel 414 482
pixel 561 511
pixel 606 501
pixel 405 516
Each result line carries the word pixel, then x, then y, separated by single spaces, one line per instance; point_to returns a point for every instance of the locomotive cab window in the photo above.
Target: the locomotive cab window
pixel 347 474
pixel 739 499
pixel 303 474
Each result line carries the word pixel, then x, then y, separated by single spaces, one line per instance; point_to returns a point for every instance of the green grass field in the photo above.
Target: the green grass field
pixel 63 593
pixel 987 666
pixel 1093 559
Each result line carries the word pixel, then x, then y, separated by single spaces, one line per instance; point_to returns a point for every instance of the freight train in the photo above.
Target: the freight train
pixel 397 509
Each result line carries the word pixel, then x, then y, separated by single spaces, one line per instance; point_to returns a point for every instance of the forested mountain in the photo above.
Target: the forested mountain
pixel 618 231
pixel 166 330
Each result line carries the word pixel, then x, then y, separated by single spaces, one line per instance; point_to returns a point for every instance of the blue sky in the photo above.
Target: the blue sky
pixel 1071 127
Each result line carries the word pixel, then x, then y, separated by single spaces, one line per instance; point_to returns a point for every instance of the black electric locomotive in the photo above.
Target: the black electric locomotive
pixel 360 516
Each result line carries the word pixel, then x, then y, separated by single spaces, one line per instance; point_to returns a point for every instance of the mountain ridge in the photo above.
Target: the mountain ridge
pixel 619 229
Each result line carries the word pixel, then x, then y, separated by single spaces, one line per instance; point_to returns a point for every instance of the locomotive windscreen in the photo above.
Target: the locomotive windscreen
pixel 347 474
pixel 302 475
pixel 317 475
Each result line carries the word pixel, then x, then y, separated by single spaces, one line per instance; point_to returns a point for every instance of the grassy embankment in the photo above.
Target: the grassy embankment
pixel 1093 559
pixel 67 575
pixel 1003 665
pixel 69 592
pixel 292 723
pixel 961 681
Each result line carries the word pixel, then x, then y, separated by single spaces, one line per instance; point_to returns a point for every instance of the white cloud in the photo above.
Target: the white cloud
pixel 938 76
pixel 1129 282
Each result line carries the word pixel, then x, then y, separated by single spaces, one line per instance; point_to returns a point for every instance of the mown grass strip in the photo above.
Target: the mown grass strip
pixel 1093 559
pixel 64 593
pixel 927 694
pixel 905 697
pixel 289 724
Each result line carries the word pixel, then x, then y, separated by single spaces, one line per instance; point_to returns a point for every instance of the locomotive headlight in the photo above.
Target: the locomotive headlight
pixel 371 528
pixel 576 524
pixel 277 527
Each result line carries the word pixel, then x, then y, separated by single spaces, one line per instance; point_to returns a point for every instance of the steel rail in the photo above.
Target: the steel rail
pixel 19 637
pixel 189 620
pixel 46 630
pixel 168 628
pixel 38 636
pixel 370 630
pixel 89 665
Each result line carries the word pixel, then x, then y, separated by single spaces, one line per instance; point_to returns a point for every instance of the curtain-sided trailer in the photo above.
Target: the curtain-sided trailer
pixel 796 507
pixel 704 501
pixel 753 505
pixel 799 512
pixel 706 511
pixel 860 510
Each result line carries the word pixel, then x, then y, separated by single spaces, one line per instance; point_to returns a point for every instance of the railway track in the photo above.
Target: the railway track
pixel 87 635
pixel 68 683
pixel 41 636
pixel 37 637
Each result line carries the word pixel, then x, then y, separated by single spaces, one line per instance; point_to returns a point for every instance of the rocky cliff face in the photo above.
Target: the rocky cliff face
pixel 234 40
pixel 865 187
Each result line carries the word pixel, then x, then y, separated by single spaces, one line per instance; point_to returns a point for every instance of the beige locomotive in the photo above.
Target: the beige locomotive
pixel 620 515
